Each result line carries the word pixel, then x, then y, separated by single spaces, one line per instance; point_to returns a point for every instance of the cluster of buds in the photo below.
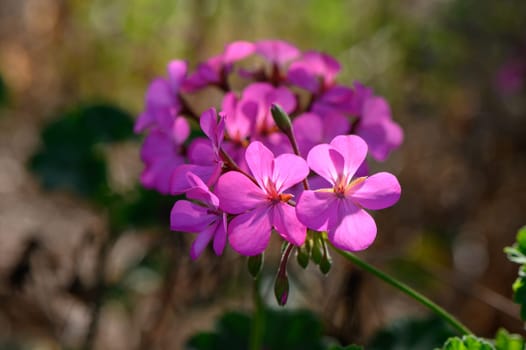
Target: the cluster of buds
pixel 287 152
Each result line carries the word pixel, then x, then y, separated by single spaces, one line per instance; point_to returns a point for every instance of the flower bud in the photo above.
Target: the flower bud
pixel 303 254
pixel 255 265
pixel 281 288
pixel 326 260
pixel 317 249
pixel 281 118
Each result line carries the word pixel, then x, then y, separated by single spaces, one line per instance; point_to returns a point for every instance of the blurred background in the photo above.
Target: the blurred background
pixel 86 257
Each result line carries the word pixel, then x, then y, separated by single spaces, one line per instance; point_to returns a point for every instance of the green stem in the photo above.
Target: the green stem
pixel 258 319
pixel 446 316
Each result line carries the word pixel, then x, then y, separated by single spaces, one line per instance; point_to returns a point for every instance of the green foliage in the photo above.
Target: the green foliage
pixel 139 208
pixel 506 341
pixel 69 158
pixel 348 347
pixel 517 254
pixel 287 330
pixel 469 342
pixel 414 334
pixel 503 341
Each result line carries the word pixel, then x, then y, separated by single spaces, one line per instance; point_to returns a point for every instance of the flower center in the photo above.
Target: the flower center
pixel 341 187
pixel 274 196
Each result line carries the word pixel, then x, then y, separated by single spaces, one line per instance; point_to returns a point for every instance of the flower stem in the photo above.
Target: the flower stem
pixel 446 316
pixel 258 318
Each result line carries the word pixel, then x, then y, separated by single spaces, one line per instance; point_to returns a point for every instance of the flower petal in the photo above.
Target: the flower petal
pixel 285 221
pixel 202 241
pixel 276 51
pixel 378 191
pixel 189 217
pixel 353 149
pixel 180 130
pixel 289 169
pixel 220 236
pixel 316 208
pixel 208 123
pixel 308 129
pixel 353 229
pixel 260 161
pixel 179 181
pixel 238 50
pixel 176 73
pixel 199 191
pixel 326 162
pixel 249 233
pixel 237 193
pixel 201 152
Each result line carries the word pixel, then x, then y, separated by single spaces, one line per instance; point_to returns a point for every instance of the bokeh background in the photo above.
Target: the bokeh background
pixel 86 257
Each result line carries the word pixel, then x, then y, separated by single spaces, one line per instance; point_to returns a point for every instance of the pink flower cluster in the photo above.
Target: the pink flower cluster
pixel 245 176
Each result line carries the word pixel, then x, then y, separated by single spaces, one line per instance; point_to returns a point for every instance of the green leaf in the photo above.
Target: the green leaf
pixel 507 341
pixel 348 347
pixel 283 330
pixel 414 334
pixel 517 254
pixel 519 290
pixel 69 158
pixel 469 342
pixel 82 172
pixel 521 239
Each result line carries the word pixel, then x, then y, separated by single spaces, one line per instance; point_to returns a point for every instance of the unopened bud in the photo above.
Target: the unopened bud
pixel 303 254
pixel 317 249
pixel 326 260
pixel 255 265
pixel 281 289
pixel 281 118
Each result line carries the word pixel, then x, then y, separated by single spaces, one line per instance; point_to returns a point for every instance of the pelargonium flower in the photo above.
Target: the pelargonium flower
pixel 205 218
pixel 375 124
pixel 249 116
pixel 214 70
pixel 262 206
pixel 339 210
pixel 161 153
pixel 204 159
pixel 162 101
pixel 337 99
pixel 314 71
pixel 277 52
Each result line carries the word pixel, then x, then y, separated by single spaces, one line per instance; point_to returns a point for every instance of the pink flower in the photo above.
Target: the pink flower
pixel 205 218
pixel 378 129
pixel 276 52
pixel 204 159
pixel 339 210
pixel 162 101
pixel 375 124
pixel 214 70
pixel 249 117
pixel 262 96
pixel 336 100
pixel 311 129
pixel 265 205
pixel 314 71
pixel 161 154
